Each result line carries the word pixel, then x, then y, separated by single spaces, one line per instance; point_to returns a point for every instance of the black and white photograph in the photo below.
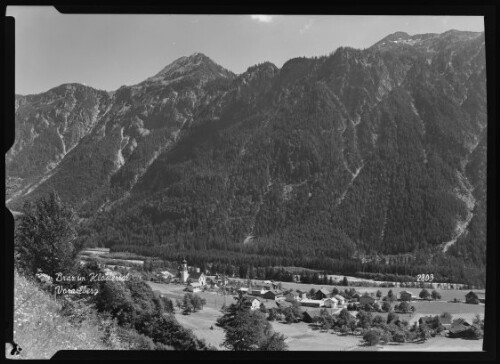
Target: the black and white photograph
pixel 238 182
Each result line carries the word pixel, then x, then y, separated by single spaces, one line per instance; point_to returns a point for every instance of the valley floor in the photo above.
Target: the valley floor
pixel 302 336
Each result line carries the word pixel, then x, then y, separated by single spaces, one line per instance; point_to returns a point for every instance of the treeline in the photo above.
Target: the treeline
pixel 446 269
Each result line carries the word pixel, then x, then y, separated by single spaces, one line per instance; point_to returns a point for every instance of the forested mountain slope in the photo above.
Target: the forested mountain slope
pixel 374 151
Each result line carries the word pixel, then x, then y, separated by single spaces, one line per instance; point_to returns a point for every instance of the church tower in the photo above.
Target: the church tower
pixel 184 271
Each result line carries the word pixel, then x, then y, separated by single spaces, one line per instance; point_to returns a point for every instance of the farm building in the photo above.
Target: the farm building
pixel 309 317
pixel 272 295
pixel 312 303
pixel 257 291
pixel 243 289
pixel 405 296
pixel 321 293
pixel 458 328
pixel 341 300
pixel 291 296
pixel 198 278
pixel 330 302
pixel 194 287
pixel 475 297
pixel 167 274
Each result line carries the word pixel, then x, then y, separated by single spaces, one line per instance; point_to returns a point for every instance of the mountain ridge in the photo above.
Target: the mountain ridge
pixel 358 151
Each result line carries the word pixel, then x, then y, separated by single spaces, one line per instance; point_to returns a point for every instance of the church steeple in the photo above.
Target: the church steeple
pixel 184 271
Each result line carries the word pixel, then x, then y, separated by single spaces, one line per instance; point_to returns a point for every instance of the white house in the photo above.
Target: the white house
pixel 340 299
pixel 255 304
pixel 330 302
pixel 194 287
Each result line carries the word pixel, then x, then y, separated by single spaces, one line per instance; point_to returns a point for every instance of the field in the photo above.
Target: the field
pixel 438 343
pixel 302 336
pixel 446 294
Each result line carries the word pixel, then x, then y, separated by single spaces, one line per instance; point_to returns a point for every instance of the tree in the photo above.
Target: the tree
pixel 378 320
pixel 372 337
pixel 248 329
pixel 262 308
pixel 275 342
pixel 404 307
pixel 44 237
pixel 335 291
pixel 391 317
pixel 312 292
pixel 364 319
pixel 424 332
pixel 386 306
pixel 273 314
pixel 475 332
pixel 424 294
pixel 196 302
pixel 188 308
pixel 435 295
pixel 345 319
pixel 390 296
pixel 345 282
pixel 379 293
pixel 385 337
pixel 399 336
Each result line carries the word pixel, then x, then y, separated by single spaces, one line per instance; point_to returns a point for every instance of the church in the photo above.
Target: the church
pixel 194 277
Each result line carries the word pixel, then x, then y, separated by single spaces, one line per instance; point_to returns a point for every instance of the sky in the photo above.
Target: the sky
pixel 108 51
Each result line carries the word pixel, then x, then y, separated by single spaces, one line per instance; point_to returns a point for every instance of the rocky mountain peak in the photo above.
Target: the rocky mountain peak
pixel 195 64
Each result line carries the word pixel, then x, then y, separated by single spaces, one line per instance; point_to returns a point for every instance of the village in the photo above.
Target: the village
pixel 302 311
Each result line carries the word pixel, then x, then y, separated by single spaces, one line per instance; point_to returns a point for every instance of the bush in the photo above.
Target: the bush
pixel 391 317
pixel 372 337
pixel 399 337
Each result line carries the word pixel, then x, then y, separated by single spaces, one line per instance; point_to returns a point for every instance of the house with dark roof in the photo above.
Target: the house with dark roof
pixel 272 295
pixel 309 317
pixel 321 294
pixel 197 277
pixel 459 328
pixel 475 297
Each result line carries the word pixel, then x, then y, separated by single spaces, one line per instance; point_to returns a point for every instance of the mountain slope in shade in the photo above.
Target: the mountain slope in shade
pixel 375 151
